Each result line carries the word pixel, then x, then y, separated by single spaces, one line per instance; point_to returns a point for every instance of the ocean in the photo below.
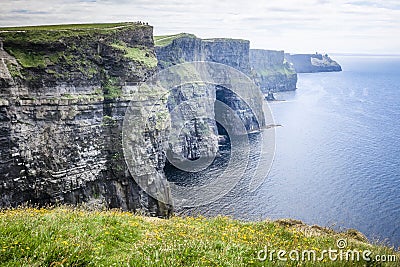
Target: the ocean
pixel 337 158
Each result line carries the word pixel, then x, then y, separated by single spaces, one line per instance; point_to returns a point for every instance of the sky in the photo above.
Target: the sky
pixel 304 26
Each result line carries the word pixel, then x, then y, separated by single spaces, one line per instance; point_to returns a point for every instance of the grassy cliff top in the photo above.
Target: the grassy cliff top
pixel 47 34
pixel 225 40
pixel 61 27
pixel 66 236
pixel 78 54
pixel 164 40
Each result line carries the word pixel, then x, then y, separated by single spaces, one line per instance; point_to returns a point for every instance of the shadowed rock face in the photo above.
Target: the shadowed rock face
pixel 200 137
pixel 271 71
pixel 308 63
pixel 62 103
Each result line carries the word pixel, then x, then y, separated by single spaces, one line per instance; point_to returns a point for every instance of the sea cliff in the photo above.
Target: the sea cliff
pixel 268 68
pixel 203 134
pixel 64 91
pixel 271 71
pixel 308 63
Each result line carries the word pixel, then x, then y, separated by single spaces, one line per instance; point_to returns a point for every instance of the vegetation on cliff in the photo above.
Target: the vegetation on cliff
pixel 164 40
pixel 224 40
pixel 141 54
pixel 271 71
pixel 66 236
pixel 23 42
pixel 77 54
pixel 284 69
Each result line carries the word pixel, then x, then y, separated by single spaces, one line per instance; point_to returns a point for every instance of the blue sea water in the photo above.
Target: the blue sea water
pixel 337 160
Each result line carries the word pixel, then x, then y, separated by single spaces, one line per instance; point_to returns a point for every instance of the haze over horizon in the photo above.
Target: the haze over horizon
pixel 306 26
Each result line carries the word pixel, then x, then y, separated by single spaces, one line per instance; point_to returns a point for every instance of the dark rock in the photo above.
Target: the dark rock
pixel 270 96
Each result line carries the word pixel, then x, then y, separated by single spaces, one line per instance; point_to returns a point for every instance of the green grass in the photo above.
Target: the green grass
pixel 48 34
pixel 283 69
pixel 111 88
pixel 29 59
pixel 139 53
pixel 164 40
pixel 65 236
pixel 14 70
pixel 224 40
pixel 68 26
pixel 108 121
pixel 56 51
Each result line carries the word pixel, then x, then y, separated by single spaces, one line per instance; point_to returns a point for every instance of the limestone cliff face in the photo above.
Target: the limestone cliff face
pixel 271 71
pixel 199 137
pixel 231 52
pixel 308 63
pixel 187 47
pixel 63 95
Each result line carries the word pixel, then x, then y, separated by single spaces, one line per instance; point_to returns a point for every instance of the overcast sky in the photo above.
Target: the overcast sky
pixel 344 26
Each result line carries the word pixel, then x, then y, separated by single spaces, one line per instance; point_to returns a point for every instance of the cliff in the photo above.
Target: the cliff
pixel 63 93
pixel 308 63
pixel 267 68
pixel 184 47
pixel 200 138
pixel 271 71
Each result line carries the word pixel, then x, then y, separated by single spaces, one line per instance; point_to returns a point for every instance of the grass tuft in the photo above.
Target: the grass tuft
pixel 139 53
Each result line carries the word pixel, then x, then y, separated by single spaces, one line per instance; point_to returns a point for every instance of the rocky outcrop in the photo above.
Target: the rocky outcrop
pixel 271 71
pixel 63 95
pixel 309 63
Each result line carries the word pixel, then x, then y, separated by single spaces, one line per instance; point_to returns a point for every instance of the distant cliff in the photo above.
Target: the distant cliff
pixel 271 71
pixel 179 48
pixel 64 90
pixel 267 68
pixel 307 63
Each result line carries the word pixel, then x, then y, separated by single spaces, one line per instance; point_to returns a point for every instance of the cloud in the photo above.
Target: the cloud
pixel 26 11
pixel 384 4
pixel 284 9
pixel 293 25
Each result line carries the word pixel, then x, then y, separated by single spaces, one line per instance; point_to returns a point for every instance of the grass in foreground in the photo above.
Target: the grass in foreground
pixel 66 236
